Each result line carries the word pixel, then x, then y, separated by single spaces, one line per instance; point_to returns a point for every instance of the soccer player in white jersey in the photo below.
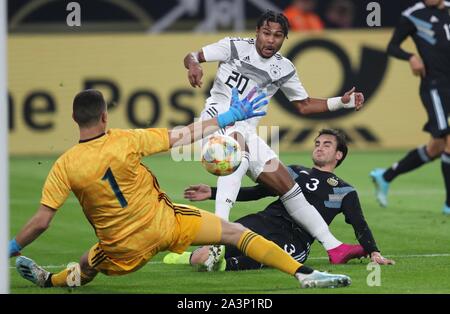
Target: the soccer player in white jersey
pixel 246 64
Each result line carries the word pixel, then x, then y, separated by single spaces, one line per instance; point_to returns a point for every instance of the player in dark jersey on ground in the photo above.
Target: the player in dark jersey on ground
pixel 428 24
pixel 257 62
pixel 329 194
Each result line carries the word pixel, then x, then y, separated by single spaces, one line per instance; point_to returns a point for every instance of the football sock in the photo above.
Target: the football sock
pixel 445 164
pixel 267 253
pixel 414 159
pixel 308 217
pixel 228 188
pixel 59 279
pixel 64 277
pixel 303 272
pixel 246 263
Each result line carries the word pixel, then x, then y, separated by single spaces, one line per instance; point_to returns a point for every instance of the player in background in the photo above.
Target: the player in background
pixel 249 63
pixel 428 24
pixel 132 217
pixel 329 194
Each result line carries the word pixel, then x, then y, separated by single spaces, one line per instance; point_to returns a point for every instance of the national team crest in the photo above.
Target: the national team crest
pixel 332 181
pixel 275 71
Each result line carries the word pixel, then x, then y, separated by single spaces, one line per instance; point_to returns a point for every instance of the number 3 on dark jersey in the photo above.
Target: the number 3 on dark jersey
pixel 312 186
pixel 240 81
pixel 115 187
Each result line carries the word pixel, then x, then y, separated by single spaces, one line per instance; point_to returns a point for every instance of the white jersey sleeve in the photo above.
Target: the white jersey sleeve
pixel 219 51
pixel 293 89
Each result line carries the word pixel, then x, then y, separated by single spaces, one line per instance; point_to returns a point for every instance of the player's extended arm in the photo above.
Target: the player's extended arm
pixel 201 192
pixel 354 216
pixel 192 64
pixel 32 230
pixel 404 29
pixel 351 208
pixel 251 193
pixel 239 110
pixel 351 99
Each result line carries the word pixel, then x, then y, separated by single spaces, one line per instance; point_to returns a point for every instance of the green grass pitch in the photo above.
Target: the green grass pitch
pixel 412 230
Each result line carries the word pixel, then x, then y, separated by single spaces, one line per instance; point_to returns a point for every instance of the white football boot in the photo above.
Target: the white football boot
pixel 319 279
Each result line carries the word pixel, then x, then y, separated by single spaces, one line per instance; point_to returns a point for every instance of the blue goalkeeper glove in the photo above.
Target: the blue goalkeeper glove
pixel 14 248
pixel 243 109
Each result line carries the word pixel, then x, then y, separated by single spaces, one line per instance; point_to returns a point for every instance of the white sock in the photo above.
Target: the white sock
pixel 308 217
pixel 228 188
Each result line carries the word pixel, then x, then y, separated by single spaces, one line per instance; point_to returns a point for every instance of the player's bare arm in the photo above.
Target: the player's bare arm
pixel 351 99
pixel 33 229
pixel 193 132
pixel 192 64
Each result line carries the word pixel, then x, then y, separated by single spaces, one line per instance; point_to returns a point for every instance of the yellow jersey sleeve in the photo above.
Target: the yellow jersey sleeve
pixel 57 187
pixel 151 141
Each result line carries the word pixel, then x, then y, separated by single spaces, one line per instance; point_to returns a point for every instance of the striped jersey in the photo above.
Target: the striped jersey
pixel 242 67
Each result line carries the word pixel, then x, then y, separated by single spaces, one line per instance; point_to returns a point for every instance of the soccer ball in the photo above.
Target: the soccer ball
pixel 221 155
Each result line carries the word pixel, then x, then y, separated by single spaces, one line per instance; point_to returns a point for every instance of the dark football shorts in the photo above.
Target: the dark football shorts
pixel 436 101
pixel 284 233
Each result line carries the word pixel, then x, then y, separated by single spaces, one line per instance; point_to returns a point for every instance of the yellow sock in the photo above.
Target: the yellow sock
pixel 60 279
pixel 71 277
pixel 267 252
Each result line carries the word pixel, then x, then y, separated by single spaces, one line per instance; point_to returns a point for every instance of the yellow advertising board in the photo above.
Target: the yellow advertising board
pixel 145 83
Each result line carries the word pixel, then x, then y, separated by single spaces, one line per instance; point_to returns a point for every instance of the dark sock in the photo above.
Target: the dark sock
pixel 445 164
pixel 413 160
pixel 304 270
pixel 48 282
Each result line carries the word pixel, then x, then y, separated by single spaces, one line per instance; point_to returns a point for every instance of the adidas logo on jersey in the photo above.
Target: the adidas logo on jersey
pixel 434 19
pixel 246 59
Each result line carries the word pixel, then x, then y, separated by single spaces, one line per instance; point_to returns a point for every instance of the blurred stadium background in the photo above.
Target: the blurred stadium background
pixel 133 50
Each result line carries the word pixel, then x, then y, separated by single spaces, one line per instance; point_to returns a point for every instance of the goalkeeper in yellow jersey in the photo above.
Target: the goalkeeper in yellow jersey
pixel 132 217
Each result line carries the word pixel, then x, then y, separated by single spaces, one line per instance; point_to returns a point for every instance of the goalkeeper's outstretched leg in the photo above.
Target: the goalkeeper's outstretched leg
pixel 214 230
pixel 75 274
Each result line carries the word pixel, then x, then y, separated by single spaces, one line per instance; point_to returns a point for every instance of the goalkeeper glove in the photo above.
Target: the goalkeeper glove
pixel 242 109
pixel 14 248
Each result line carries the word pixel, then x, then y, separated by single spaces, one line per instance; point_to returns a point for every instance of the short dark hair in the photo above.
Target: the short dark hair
pixel 271 16
pixel 88 106
pixel 341 141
